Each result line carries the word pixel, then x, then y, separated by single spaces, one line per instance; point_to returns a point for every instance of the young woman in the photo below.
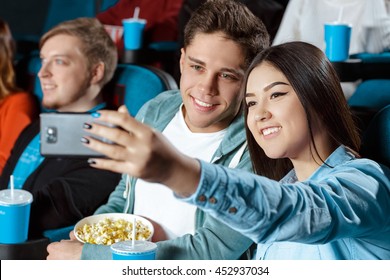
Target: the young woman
pixel 17 108
pixel 330 205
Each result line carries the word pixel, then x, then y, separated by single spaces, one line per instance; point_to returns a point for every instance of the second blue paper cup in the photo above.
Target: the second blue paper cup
pixel 133 30
pixel 337 40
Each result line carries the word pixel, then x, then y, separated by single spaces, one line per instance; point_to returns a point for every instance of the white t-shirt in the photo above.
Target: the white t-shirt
pixel 156 201
pixel 304 20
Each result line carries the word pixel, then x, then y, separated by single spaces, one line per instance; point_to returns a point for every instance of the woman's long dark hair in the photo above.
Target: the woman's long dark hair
pixel 7 49
pixel 317 86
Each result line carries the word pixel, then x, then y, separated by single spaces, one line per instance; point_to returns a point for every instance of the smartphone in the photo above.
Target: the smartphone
pixel 61 134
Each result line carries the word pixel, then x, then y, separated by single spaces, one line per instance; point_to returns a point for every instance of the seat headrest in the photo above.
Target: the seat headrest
pixel 134 85
pixel 374 94
pixel 376 138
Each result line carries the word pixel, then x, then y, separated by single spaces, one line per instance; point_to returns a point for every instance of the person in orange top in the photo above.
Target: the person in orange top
pixel 17 108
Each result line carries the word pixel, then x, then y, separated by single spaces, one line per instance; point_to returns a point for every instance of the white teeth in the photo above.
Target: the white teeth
pixel 48 86
pixel 203 104
pixel 270 130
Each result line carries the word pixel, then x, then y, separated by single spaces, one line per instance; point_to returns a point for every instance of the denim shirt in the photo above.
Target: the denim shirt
pixel 340 212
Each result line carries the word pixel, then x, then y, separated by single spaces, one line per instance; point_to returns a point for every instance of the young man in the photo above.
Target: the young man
pixel 78 58
pixel 202 120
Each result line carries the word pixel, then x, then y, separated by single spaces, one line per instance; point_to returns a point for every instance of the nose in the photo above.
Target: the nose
pixel 262 116
pixel 44 71
pixel 207 85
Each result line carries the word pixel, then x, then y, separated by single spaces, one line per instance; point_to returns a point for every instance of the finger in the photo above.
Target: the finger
pixel 123 109
pixel 113 165
pixel 122 119
pixel 72 236
pixel 51 247
pixel 112 151
pixel 109 134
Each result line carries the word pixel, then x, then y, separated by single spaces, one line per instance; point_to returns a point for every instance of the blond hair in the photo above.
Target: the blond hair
pixel 97 46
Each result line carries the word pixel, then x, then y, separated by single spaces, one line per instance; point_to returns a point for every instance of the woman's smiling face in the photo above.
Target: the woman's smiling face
pixel 276 117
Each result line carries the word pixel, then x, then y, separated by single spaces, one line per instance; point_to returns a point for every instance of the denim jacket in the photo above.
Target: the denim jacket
pixel 340 212
pixel 212 239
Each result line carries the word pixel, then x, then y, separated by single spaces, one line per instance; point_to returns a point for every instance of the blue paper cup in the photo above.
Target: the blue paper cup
pixel 337 41
pixel 14 215
pixel 142 250
pixel 133 30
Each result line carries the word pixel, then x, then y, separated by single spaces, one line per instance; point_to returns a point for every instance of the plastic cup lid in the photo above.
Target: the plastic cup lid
pixel 338 23
pixel 20 197
pixel 140 246
pixel 140 20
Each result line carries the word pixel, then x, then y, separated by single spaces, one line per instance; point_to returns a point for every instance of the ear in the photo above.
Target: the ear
pixel 97 73
pixel 182 59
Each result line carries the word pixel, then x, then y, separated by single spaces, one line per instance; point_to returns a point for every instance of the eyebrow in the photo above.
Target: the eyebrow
pixel 224 69
pixel 193 59
pixel 56 56
pixel 250 94
pixel 274 84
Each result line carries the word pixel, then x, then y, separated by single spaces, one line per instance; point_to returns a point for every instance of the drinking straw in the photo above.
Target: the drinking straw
pixel 12 185
pixel 340 14
pixel 136 12
pixel 128 191
pixel 134 232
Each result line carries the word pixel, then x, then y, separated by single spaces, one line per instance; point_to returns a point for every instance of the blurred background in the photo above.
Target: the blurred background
pixel 28 19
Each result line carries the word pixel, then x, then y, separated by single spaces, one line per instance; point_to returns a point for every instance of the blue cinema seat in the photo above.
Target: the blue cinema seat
pixel 373 57
pixel 58 234
pixel 373 94
pixel 60 10
pixel 133 85
pixel 52 12
pixel 369 97
pixel 34 85
pixel 376 138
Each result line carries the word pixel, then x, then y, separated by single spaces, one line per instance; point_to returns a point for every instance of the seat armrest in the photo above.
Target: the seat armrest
pixel 30 250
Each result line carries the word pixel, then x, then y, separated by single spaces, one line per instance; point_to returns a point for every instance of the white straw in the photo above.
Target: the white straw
pixel 340 14
pixel 134 232
pixel 136 12
pixel 12 185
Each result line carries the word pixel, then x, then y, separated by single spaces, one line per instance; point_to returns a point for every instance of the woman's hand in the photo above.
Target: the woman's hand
pixel 65 249
pixel 142 152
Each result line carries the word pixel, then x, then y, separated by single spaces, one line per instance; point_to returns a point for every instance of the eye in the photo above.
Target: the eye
pixel 59 61
pixel 250 103
pixel 228 76
pixel 277 94
pixel 196 67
